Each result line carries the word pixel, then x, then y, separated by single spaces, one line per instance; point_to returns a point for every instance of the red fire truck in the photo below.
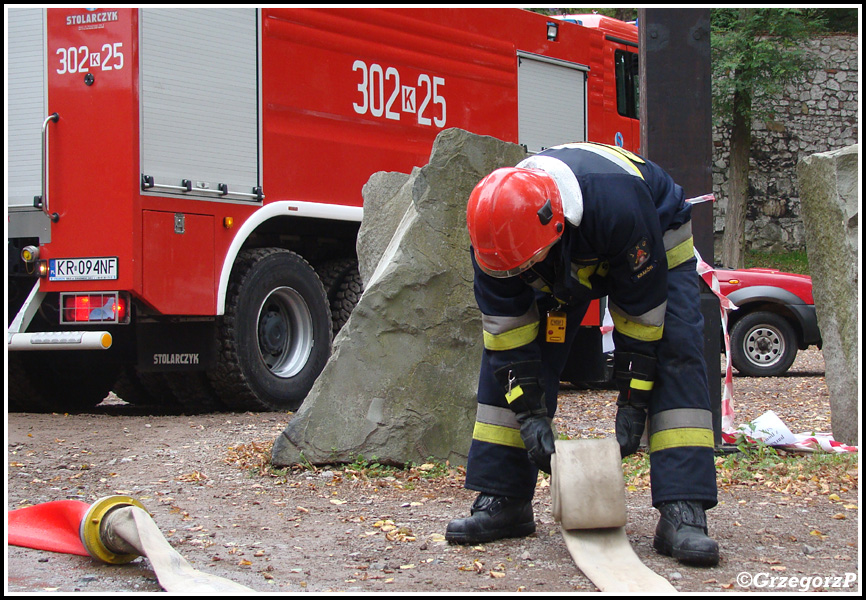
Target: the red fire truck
pixel 184 186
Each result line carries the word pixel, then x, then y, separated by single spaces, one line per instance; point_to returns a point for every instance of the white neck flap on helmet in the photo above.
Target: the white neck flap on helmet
pixel 569 189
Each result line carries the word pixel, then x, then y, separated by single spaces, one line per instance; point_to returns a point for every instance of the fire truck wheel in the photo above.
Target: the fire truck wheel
pixel 343 286
pixel 143 389
pixel 275 336
pixel 63 381
pixel 193 392
pixel 167 393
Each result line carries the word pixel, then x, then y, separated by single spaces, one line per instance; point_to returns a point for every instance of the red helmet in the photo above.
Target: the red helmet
pixel 513 214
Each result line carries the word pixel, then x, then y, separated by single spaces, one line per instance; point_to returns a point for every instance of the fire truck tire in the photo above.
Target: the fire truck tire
pixel 63 381
pixel 167 393
pixel 142 389
pixel 346 298
pixel 344 287
pixel 275 335
pixel 193 392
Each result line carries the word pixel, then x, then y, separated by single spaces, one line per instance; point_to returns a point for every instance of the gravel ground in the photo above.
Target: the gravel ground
pixel 205 480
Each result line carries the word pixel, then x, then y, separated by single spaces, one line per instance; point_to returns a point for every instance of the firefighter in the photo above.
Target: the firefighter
pixel 568 225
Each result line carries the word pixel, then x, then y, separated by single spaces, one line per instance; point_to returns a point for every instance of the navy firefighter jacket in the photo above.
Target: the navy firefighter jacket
pixel 634 226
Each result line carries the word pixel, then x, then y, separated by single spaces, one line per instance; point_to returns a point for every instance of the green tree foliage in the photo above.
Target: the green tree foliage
pixel 756 53
pixel 838 20
pixel 762 47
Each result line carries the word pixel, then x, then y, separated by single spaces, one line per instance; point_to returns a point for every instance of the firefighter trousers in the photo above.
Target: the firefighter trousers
pixel 680 421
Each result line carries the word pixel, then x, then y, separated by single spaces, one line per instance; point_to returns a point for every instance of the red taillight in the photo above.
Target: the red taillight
pixel 121 308
pixel 106 307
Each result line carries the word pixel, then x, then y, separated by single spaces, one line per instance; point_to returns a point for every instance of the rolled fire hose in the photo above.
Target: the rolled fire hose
pixel 114 530
pixel 589 503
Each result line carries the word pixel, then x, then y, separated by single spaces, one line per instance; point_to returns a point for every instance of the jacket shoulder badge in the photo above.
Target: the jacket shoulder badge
pixel 639 255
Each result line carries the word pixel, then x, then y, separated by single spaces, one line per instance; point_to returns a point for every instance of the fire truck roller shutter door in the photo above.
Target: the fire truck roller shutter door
pixel 275 335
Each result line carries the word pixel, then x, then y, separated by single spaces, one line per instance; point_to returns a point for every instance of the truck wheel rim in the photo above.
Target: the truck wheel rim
pixel 764 346
pixel 285 332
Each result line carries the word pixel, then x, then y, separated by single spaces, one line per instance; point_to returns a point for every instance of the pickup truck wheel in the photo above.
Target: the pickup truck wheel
pixel 275 336
pixel 763 344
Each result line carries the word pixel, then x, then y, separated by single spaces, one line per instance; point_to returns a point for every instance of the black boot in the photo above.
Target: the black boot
pixel 682 533
pixel 493 518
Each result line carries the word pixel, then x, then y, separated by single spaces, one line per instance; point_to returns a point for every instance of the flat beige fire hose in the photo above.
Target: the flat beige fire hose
pixel 117 530
pixel 589 503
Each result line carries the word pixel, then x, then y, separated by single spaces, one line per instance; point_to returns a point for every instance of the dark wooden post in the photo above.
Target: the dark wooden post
pixel 676 133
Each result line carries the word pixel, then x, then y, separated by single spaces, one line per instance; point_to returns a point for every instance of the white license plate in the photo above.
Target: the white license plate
pixel 82 269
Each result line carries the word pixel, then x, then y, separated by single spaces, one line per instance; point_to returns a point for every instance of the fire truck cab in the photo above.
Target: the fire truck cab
pixel 184 188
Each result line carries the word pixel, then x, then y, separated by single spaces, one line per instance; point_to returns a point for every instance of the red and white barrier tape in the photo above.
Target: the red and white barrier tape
pixel 805 442
pixel 708 274
pixel 699 199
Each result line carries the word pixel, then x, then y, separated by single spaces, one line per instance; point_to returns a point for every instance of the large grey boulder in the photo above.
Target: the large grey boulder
pixel 385 203
pixel 830 208
pixel 400 385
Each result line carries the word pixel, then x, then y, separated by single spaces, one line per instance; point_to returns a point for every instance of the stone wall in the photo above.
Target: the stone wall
pixel 818 115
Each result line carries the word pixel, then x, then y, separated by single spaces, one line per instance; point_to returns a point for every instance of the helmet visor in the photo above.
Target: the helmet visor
pixel 536 258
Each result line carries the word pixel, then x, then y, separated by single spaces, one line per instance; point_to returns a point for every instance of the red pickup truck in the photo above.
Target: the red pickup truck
pixel 775 318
